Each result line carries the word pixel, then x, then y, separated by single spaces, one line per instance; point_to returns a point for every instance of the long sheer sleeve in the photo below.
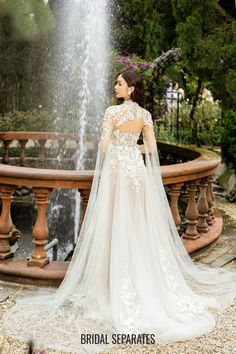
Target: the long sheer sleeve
pixel 107 129
pixel 148 134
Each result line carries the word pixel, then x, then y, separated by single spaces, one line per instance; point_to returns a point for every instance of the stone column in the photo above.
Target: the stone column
pixel 203 207
pixel 62 145
pixel 40 230
pixel 84 198
pixel 22 151
pixel 209 193
pixel 191 213
pixel 6 222
pixel 41 158
pixel 212 197
pixel 6 145
pixel 175 190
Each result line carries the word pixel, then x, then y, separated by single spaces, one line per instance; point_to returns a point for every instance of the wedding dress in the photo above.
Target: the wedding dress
pixel 130 273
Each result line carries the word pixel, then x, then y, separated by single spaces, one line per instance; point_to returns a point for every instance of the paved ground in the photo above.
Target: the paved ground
pixel 223 251
pixel 221 341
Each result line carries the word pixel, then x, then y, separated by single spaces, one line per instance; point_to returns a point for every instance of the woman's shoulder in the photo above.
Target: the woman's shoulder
pixel 111 111
pixel 139 111
pixel 147 117
pixel 145 112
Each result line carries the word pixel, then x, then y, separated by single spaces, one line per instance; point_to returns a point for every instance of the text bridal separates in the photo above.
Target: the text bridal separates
pixel 130 272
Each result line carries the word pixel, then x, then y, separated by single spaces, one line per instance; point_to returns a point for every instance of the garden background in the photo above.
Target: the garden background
pixel 142 31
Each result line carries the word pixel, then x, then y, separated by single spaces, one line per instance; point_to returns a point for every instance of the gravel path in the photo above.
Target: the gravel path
pixel 228 208
pixel 222 340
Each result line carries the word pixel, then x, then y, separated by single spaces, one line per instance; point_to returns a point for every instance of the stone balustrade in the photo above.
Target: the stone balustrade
pixel 46 147
pixel 188 184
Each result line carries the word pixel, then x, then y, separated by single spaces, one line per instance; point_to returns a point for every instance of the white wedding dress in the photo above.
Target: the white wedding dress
pixel 130 272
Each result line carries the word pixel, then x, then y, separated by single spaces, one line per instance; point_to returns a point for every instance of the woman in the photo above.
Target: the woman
pixel 130 272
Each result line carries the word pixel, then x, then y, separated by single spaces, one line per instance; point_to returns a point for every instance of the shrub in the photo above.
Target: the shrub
pixel 207 119
pixel 35 120
pixel 228 135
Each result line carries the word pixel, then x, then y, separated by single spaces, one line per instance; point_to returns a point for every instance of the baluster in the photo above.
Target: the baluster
pixel 212 197
pixel 203 207
pixel 61 144
pixel 209 201
pixel 191 213
pixel 77 142
pixel 6 145
pixel 40 230
pixel 22 152
pixel 60 158
pixel 6 222
pixel 42 143
pixel 174 198
pixel 84 198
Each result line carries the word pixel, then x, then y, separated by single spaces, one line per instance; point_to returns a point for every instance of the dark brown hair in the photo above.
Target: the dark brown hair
pixel 134 79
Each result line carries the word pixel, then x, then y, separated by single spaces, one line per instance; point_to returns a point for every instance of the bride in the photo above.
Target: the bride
pixel 130 273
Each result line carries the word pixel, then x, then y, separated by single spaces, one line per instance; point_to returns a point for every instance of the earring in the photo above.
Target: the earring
pixel 129 93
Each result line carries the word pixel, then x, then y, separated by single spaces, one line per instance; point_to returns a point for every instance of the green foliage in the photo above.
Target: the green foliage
pixel 35 120
pixel 199 36
pixel 119 62
pixel 148 27
pixel 28 19
pixel 25 27
pixel 228 135
pixel 207 122
pixel 231 57
pixel 231 83
pixel 122 62
pixel 205 33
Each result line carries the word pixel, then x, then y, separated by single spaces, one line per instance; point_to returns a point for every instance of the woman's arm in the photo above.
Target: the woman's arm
pixel 149 139
pixel 107 129
pixel 148 134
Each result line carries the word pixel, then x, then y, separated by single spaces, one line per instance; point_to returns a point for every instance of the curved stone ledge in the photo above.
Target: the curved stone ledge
pixel 5 136
pixel 190 180
pixel 205 239
pixel 203 165
pixel 17 270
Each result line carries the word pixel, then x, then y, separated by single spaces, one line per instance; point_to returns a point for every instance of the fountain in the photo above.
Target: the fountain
pixel 79 97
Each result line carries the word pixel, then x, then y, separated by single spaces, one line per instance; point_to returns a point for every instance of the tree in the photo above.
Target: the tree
pixel 202 33
pixel 144 27
pixel 202 29
pixel 28 19
pixel 24 30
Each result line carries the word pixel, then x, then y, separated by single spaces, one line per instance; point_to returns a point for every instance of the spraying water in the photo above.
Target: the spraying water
pixel 80 76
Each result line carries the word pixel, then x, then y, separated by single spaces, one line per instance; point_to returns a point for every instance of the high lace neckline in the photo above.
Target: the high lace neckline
pixel 129 102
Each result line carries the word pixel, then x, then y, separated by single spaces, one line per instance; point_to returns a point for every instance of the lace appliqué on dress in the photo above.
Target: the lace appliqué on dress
pixel 126 111
pixel 125 153
pixel 186 307
pixel 148 119
pixel 130 316
pixel 110 113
